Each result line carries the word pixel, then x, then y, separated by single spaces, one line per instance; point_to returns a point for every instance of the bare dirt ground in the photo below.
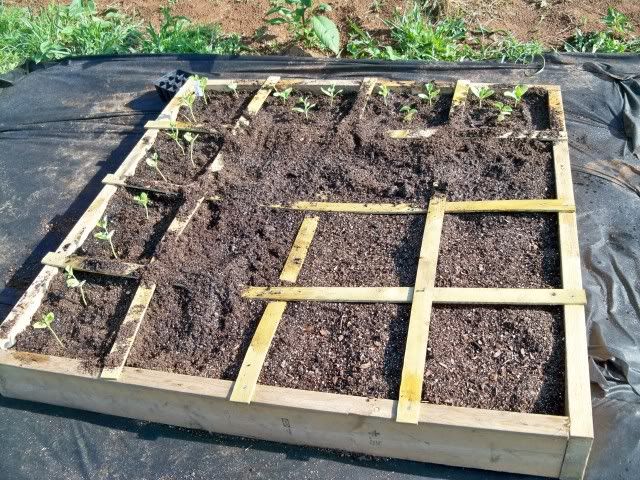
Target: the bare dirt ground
pixel 549 21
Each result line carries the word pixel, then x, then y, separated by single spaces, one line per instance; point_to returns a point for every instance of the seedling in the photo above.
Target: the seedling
pixel 383 91
pixel 143 199
pixel 482 93
pixel 409 112
pixel 47 320
pixel 73 282
pixel 283 94
pixel 200 85
pixel 174 134
pixel 517 93
pixel 503 110
pixel 191 140
pixel 188 100
pixel 306 106
pixel 153 163
pixel 431 93
pixel 233 86
pixel 105 235
pixel 331 92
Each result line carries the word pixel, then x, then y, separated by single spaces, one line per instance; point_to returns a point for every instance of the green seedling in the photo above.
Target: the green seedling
pixel 283 94
pixel 105 235
pixel 431 93
pixel 153 163
pixel 188 100
pixel 503 110
pixel 383 91
pixel 331 92
pixel 174 134
pixel 409 112
pixel 233 86
pixel 482 93
pixel 191 140
pixel 517 93
pixel 306 106
pixel 47 320
pixel 143 200
pixel 73 282
pixel 200 85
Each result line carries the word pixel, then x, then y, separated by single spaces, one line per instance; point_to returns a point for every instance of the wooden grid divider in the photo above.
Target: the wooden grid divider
pixel 452 295
pixel 245 385
pixel 99 266
pixel 418 332
pixel 117 357
pixel 543 135
pixel 180 126
pixel 155 186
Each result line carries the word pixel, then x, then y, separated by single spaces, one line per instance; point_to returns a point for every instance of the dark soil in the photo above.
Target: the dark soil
pixel 506 251
pixel 532 113
pixel 221 111
pixel 135 236
pixel 321 117
pixel 496 358
pixel 387 116
pixel 86 332
pixel 363 251
pixel 339 348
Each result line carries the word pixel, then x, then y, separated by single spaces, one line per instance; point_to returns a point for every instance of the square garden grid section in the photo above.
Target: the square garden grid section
pixel 556 446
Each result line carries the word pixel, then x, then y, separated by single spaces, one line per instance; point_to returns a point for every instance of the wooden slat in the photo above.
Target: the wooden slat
pixel 245 385
pixel 181 126
pixel 418 332
pixel 299 251
pixel 258 100
pixel 577 382
pixel 146 185
pixel 453 295
pixel 116 268
pixel 556 109
pixel 413 133
pixel 366 88
pixel 218 163
pixel 307 85
pixel 220 84
pixel 366 208
pixel 534 205
pixel 180 222
pixel 117 357
pixel 543 135
pixel 459 95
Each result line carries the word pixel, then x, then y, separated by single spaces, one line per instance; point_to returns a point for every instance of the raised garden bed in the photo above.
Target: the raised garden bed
pixel 278 279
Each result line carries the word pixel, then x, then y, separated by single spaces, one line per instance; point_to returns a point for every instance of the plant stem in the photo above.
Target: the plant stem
pixel 115 255
pixel 84 300
pixel 161 174
pixel 191 154
pixel 56 336
pixel 146 212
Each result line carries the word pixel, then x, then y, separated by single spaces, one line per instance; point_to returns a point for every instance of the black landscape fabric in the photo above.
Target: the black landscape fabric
pixel 64 127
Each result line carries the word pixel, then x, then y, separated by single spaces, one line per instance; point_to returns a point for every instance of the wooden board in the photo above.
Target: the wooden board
pixel 112 267
pixel 299 251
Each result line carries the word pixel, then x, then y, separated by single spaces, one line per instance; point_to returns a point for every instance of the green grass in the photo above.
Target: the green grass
pixel 59 31
pixel 80 28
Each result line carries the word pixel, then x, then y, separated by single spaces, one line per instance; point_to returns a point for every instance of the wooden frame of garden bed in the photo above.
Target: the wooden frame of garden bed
pixel 553 446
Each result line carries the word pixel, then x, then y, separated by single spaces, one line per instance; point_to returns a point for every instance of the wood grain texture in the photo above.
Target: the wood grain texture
pixel 299 250
pixel 112 267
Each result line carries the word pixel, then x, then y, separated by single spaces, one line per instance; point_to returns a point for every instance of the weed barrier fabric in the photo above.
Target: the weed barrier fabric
pixel 64 127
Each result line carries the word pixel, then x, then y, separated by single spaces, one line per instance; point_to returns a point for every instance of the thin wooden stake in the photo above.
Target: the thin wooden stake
pixel 256 103
pixel 459 96
pixel 299 251
pixel 117 358
pixel 543 135
pixel 148 185
pixel 181 126
pixel 420 317
pixel 366 208
pixel 100 266
pixel 178 224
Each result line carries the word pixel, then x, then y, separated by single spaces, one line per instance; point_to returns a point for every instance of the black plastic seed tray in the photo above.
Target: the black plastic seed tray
pixel 170 83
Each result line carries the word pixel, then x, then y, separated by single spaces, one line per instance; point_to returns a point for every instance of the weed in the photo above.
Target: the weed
pixel 191 140
pixel 304 21
pixel 376 6
pixel 153 163
pixel 187 100
pixel 233 87
pixel 503 110
pixel 105 235
pixel 45 322
pixel 174 134
pixel 383 91
pixel 482 93
pixel 517 93
pixel 73 282
pixel 615 38
pixel 283 94
pixel 142 199
pixel 409 112
pixel 306 106
pixel 331 92
pixel 431 93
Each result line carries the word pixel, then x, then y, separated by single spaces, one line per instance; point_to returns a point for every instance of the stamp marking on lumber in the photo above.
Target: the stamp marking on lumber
pixel 547 445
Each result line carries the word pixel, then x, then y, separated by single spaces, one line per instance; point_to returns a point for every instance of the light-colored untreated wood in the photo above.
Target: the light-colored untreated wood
pixel 366 89
pixel 556 109
pixel 149 186
pixel 543 135
pixel 117 357
pixel 299 251
pixel 180 222
pixel 577 382
pixel 489 296
pixel 418 332
pixel 102 266
pixel 366 208
pixel 258 100
pixel 459 95
pixel 181 126
pixel 418 133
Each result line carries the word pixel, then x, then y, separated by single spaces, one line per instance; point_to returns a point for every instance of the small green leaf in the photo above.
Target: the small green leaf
pixel 73 283
pixel 327 32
